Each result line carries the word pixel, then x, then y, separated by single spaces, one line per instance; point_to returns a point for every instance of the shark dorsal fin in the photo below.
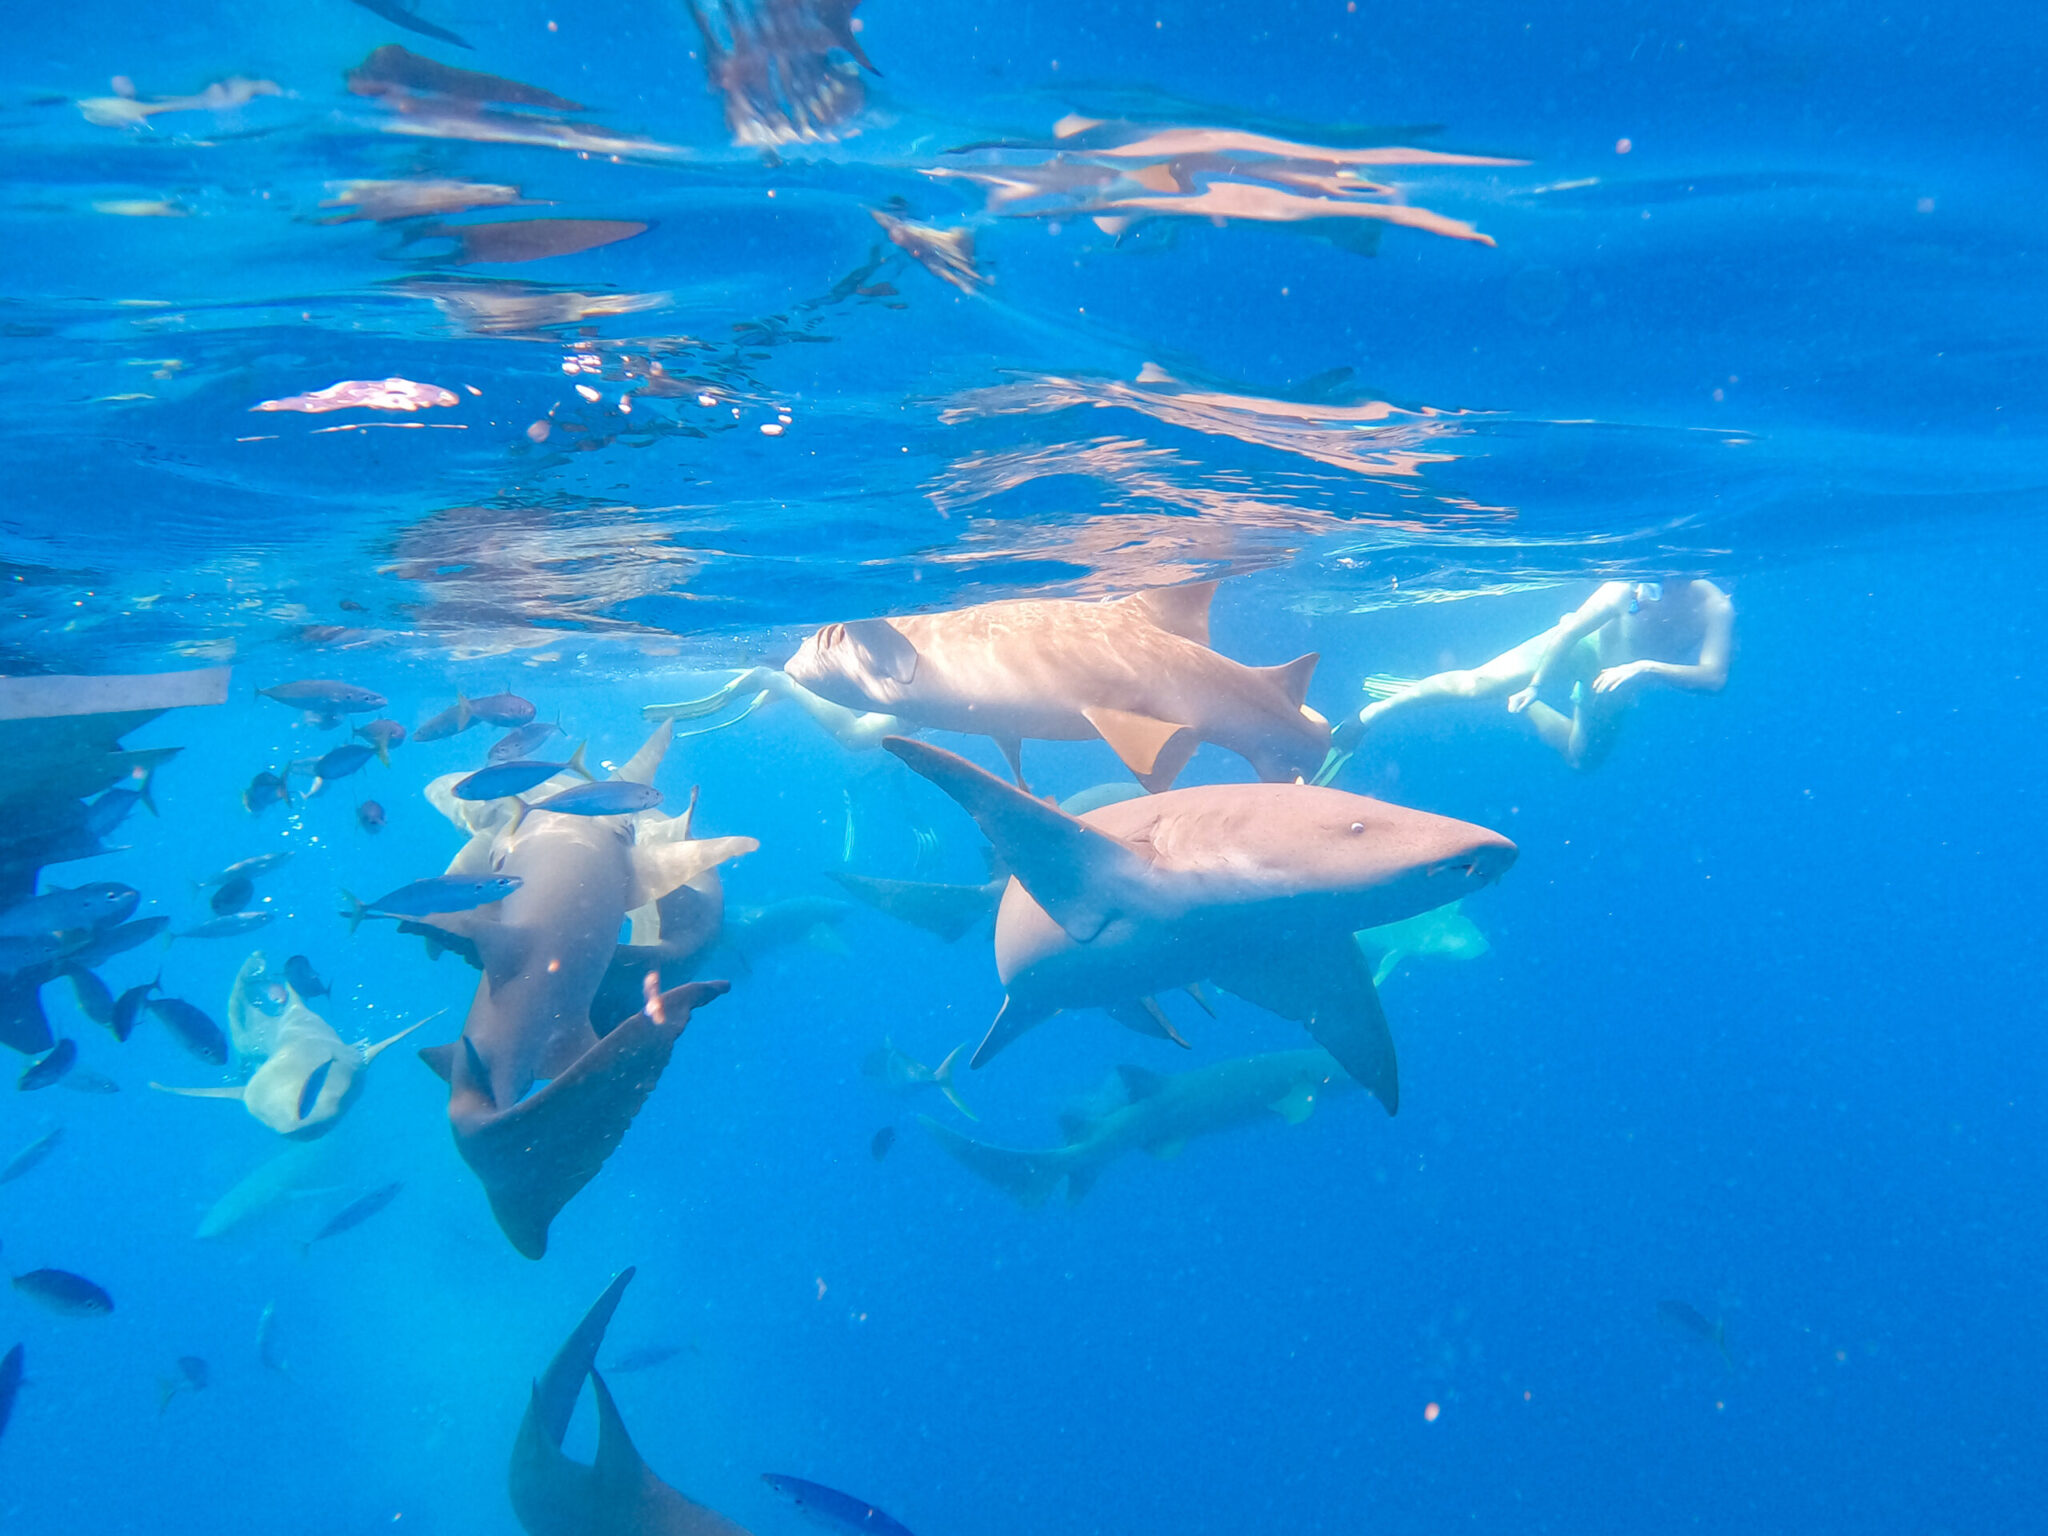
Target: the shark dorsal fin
pixel 1182 611
pixel 883 649
pixel 1293 677
pixel 1082 877
pixel 1140 1083
pixel 618 1464
pixel 640 768
pixel 659 867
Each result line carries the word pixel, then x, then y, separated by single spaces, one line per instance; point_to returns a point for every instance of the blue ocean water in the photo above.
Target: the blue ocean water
pixel 1759 299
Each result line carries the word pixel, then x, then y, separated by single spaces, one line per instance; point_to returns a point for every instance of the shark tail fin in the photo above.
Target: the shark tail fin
pixel 942 1077
pixel 1029 1178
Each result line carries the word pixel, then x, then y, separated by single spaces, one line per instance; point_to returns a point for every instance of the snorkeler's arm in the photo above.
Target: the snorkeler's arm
pixel 1707 675
pixel 1603 607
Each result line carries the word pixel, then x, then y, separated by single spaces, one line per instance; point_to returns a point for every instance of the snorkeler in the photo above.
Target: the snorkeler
pixel 1625 634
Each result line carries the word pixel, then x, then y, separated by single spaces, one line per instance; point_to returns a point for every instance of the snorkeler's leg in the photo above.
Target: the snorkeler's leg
pixel 1504 674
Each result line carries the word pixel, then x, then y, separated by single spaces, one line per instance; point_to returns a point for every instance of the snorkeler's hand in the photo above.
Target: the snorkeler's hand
pixel 1614 679
pixel 1517 702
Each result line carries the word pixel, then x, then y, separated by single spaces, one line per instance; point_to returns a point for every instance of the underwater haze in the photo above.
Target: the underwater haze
pixel 1274 769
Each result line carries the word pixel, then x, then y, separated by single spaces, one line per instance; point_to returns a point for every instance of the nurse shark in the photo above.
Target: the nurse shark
pixel 1156 1113
pixel 544 952
pixel 618 1494
pixel 1136 672
pixel 306 1075
pixel 1257 887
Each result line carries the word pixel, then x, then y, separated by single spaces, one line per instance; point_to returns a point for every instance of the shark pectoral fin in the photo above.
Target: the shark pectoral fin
pixel 1154 750
pixel 1010 1022
pixel 883 649
pixel 1330 992
pixel 534 1156
pixel 1182 611
pixel 372 1052
pixel 1082 877
pixel 1296 1105
pixel 199 1093
pixel 643 926
pixel 1194 990
pixel 1144 1016
pixel 660 867
pixel 442 1059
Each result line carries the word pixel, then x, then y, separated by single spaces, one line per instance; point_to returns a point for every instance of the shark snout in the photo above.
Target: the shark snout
pixel 1481 864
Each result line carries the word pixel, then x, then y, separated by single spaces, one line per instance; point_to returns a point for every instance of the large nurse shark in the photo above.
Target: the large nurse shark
pixel 1136 672
pixel 545 951
pixel 618 1494
pixel 1257 887
pixel 1156 1113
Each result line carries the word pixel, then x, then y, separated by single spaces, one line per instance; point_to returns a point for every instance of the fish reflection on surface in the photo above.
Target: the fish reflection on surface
pixel 1370 437
pixel 127 110
pixel 384 202
pixel 789 70
pixel 1119 173
pixel 395 71
pixel 515 240
pixel 948 254
pixel 515 572
pixel 503 306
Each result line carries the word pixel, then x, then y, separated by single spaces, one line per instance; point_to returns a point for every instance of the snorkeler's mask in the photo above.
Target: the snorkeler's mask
pixel 1646 591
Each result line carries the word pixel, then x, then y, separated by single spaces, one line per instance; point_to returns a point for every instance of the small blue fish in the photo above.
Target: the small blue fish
pixel 128 1008
pixel 265 790
pixel 194 1028
pixel 513 747
pixel 321 697
pixel 225 926
pixel 62 1291
pixel 304 979
pixel 119 939
pixel 383 735
pixel 425 898
pixel 42 1073
pixel 337 763
pixel 91 907
pixel 452 721
pixel 31 1155
pixel 832 1509
pixel 501 780
pixel 609 797
pixel 502 709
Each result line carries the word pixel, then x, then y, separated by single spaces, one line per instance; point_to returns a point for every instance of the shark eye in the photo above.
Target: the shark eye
pixel 1357 828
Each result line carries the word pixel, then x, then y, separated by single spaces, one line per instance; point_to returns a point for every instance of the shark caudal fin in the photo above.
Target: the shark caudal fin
pixel 1029 1178
pixel 942 1079
pixel 549 1491
pixel 535 1155
pixel 1154 750
pixel 1082 877
pixel 947 911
